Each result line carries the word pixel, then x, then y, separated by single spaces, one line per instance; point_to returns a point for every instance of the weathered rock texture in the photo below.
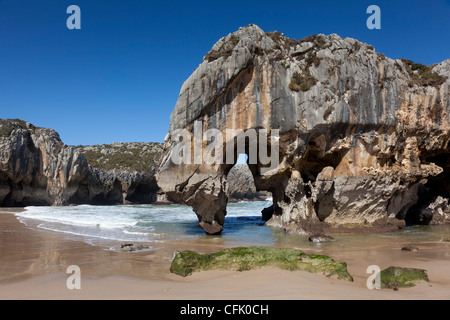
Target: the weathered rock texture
pixel 124 172
pixel 364 139
pixel 36 168
pixel 241 185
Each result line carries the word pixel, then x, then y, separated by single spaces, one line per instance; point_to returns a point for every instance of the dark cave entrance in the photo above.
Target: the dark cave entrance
pixel 420 214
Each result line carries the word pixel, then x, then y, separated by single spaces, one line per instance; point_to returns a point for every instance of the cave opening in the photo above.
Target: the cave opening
pixel 315 159
pixel 435 188
pixel 241 181
pixel 245 203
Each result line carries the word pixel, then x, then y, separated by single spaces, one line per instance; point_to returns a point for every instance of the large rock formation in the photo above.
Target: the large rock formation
pixel 363 139
pixel 36 168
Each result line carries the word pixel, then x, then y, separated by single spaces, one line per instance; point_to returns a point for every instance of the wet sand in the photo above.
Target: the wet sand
pixel 33 265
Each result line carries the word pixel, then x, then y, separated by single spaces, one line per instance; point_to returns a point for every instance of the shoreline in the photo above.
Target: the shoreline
pixel 34 263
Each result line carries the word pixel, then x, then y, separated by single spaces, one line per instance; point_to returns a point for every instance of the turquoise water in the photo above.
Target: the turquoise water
pixel 98 225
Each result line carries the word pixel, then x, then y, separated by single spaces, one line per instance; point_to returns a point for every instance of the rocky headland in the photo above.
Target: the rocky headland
pixel 37 168
pixel 129 167
pixel 363 138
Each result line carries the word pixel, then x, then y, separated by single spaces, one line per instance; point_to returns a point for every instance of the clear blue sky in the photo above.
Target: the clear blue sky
pixel 118 78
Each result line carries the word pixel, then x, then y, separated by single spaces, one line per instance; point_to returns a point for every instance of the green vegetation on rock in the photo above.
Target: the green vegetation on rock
pixel 137 156
pixel 397 277
pixel 311 59
pixel 225 49
pixel 8 125
pixel 422 75
pixel 247 258
pixel 302 82
pixel 283 42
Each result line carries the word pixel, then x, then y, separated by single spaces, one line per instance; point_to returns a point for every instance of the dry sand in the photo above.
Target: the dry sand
pixel 33 266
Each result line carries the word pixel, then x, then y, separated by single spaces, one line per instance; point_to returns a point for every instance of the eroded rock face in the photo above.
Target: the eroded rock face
pixel 363 139
pixel 241 185
pixel 37 168
pixel 123 172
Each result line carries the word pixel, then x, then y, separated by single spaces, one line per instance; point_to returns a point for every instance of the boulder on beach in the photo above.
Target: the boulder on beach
pixel 410 248
pixel 320 238
pixel 398 277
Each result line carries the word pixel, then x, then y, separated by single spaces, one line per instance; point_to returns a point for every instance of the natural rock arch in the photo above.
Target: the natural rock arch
pixel 352 126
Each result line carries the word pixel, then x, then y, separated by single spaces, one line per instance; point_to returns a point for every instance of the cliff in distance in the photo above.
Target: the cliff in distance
pixel 363 139
pixel 37 168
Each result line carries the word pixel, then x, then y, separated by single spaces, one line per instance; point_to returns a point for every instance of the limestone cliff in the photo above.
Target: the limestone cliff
pixel 128 169
pixel 37 168
pixel 363 139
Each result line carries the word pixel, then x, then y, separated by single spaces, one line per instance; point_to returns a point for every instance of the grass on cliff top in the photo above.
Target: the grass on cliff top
pixel 124 157
pixel 396 277
pixel 8 125
pixel 247 258
pixel 225 50
pixel 422 75
pixel 281 41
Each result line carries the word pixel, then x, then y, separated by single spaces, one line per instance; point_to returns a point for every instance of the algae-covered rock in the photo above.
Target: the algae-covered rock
pixel 247 258
pixel 397 277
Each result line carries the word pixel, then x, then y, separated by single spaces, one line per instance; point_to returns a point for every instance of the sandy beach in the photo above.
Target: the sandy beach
pixel 33 265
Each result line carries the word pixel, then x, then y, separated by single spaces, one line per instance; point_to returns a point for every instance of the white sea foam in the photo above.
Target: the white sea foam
pixel 110 226
pixel 140 223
